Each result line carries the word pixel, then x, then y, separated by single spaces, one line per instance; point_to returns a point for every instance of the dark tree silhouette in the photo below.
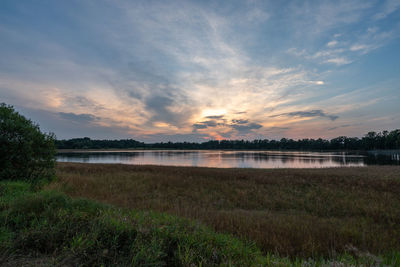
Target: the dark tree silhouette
pixel 372 140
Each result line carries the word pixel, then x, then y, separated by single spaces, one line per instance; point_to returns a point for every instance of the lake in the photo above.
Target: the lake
pixel 235 159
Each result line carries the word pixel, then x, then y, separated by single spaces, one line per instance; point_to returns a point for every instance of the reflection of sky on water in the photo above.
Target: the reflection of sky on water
pixel 234 159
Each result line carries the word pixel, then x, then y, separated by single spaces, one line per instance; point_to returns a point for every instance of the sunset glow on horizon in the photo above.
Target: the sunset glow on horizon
pixel 202 70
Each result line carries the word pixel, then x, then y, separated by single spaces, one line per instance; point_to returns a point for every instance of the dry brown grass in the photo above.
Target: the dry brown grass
pixel 296 212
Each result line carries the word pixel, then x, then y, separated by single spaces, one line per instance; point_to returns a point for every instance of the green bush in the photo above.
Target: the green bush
pixel 25 152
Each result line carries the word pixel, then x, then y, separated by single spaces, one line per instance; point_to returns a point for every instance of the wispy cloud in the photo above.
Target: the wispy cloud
pixel 316 17
pixel 308 114
pixel 389 7
pixel 215 117
pixel 332 43
pixel 358 47
pixel 79 118
pixel 346 51
pixel 344 126
pixel 338 61
pixel 234 127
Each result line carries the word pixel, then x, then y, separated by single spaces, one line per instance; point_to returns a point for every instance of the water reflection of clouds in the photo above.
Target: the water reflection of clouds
pixel 234 159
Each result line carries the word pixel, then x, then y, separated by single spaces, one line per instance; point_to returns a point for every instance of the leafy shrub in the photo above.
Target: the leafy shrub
pixel 25 152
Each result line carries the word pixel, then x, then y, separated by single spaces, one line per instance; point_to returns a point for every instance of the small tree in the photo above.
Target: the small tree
pixel 25 152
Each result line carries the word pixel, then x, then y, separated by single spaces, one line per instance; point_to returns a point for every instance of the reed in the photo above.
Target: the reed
pixel 289 212
pixel 48 228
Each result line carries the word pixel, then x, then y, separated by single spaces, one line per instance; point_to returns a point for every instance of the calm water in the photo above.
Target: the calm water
pixel 236 159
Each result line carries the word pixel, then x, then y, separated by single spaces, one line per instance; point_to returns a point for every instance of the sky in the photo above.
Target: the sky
pixel 202 70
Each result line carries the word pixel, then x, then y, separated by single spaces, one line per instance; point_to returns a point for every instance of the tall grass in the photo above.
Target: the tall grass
pixel 291 212
pixel 50 229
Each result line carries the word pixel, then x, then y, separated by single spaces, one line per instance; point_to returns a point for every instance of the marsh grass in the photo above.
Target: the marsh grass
pixel 306 213
pixel 48 228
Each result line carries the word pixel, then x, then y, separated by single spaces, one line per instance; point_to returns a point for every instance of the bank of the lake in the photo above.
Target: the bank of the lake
pixel 291 212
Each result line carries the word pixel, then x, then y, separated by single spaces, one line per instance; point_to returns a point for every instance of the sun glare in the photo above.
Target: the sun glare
pixel 213 112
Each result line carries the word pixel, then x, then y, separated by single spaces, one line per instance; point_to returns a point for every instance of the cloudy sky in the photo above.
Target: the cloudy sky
pixel 198 70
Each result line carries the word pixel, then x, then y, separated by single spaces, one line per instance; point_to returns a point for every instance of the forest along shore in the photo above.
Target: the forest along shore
pixel 294 212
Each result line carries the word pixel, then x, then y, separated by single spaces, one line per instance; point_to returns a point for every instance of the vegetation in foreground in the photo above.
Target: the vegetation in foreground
pixel 302 213
pixel 49 228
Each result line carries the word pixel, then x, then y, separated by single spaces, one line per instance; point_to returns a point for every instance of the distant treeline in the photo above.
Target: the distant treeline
pixel 372 140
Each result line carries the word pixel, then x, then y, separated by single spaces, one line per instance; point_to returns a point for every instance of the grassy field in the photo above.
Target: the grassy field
pixel 299 213
pixel 48 228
